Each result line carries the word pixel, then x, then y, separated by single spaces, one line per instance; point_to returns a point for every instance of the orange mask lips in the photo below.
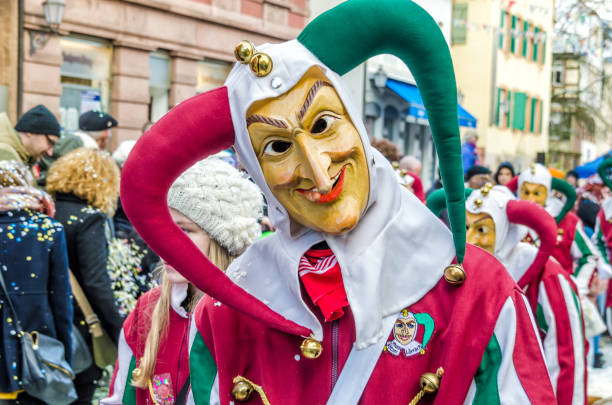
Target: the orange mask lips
pixel 319 198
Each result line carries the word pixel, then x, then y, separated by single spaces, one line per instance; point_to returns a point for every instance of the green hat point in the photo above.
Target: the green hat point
pixel 356 30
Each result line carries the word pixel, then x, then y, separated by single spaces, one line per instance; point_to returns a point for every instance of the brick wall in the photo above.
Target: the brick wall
pixel 8 53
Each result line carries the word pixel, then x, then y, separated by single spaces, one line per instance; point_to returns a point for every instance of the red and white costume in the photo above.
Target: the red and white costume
pixel 552 294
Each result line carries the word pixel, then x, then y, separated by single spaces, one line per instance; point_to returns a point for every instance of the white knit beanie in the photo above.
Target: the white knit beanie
pixel 120 154
pixel 215 196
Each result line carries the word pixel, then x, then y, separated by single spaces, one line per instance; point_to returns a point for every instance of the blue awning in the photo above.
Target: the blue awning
pixel 417 112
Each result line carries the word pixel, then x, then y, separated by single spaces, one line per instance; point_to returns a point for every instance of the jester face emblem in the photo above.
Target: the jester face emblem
pixel 405 332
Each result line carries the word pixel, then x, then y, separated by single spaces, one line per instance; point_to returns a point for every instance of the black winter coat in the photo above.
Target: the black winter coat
pixel 34 267
pixel 87 256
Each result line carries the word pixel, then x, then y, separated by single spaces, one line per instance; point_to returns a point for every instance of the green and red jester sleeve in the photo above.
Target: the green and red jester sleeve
pixel 560 323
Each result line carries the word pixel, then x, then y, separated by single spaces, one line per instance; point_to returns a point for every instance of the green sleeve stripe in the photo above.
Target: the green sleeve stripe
pixel 541 319
pixel 579 314
pixel 584 250
pixel 601 245
pixel 202 369
pixel 129 392
pixel 487 391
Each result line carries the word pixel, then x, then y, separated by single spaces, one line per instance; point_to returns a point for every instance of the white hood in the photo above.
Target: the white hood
pixel 386 260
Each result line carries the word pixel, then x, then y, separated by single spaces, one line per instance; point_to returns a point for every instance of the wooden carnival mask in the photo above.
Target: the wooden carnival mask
pixel 311 154
pixel 480 230
pixel 534 192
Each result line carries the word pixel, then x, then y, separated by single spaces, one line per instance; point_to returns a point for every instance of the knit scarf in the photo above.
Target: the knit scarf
pixel 320 274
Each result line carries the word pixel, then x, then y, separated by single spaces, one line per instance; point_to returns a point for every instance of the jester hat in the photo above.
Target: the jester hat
pixel 538 174
pixel 213 121
pixel 510 217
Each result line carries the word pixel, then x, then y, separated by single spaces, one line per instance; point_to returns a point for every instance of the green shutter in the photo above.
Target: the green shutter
pixel 518 119
pixel 544 51
pixel 541 115
pixel 512 35
pixel 502 23
pixel 525 43
pixel 509 103
pixel 534 57
pixel 534 103
pixel 459 32
pixel 498 119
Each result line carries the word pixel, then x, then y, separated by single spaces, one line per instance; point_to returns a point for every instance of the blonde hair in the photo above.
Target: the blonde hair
pixel 220 257
pixel 89 174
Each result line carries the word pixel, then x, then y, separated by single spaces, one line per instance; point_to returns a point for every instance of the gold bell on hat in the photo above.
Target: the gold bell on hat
pixel 261 64
pixel 454 274
pixel 244 52
pixel 311 348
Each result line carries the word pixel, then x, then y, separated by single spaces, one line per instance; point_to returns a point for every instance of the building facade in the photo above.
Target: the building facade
pixel 502 55
pixel 581 118
pixel 132 58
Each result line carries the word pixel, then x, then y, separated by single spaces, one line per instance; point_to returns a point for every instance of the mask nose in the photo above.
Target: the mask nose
pixel 316 162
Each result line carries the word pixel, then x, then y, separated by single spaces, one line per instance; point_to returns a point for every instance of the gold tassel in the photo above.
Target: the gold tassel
pixel 239 380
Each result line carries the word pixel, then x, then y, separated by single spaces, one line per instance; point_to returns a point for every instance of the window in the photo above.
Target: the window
pixel 536 46
pixel 389 123
pixel 502 29
pixel 159 85
pixel 526 42
pixel 504 98
pixel 211 74
pixel 85 77
pixel 557 75
pixel 459 32
pixel 535 122
pixel 520 101
pixel 515 23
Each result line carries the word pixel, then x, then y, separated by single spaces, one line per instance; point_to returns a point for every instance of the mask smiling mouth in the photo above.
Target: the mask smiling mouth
pixel 315 196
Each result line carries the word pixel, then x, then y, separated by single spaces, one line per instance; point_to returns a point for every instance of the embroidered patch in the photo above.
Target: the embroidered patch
pixel 406 331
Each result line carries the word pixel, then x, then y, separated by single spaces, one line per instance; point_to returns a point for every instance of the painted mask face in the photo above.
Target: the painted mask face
pixel 404 330
pixel 534 192
pixel 311 155
pixel 480 231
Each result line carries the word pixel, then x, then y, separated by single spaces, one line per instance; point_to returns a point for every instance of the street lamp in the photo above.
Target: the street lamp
pixel 380 78
pixel 54 12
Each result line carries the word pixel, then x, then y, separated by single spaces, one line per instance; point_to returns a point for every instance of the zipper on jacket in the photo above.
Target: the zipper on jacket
pixel 335 341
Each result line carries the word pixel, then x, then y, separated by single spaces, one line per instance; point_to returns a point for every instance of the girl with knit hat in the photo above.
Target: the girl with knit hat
pixel 218 209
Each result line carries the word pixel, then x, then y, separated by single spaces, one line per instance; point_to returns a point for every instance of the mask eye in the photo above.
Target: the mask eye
pixel 322 124
pixel 276 148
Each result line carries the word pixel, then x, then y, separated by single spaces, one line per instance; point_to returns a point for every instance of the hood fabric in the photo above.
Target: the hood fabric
pixel 377 282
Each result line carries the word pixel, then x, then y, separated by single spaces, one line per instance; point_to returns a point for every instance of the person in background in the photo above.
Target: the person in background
pixel 504 173
pixel 153 363
pixel 410 164
pixel 468 151
pixel 97 125
pixel 387 148
pixel 572 178
pixel 34 267
pixel 85 185
pixel 478 176
pixel 65 144
pixel 143 274
pixel 35 134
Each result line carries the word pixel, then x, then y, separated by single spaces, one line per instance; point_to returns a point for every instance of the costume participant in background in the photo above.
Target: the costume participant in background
pixel 496 221
pixel 320 312
pixel 574 251
pixel 602 238
pixel 218 209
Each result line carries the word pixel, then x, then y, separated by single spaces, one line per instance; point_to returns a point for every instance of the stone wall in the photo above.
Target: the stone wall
pixel 8 55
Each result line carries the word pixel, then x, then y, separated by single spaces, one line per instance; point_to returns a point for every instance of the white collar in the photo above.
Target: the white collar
pixel 177 297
